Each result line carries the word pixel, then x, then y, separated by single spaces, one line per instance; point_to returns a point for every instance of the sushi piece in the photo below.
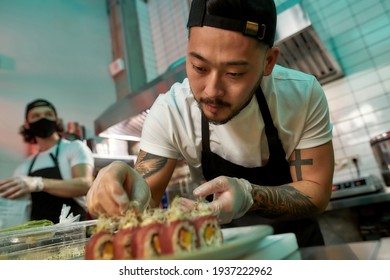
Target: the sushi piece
pixel 100 246
pixel 205 220
pixel 128 226
pixel 145 243
pixel 208 231
pixel 122 242
pixel 177 236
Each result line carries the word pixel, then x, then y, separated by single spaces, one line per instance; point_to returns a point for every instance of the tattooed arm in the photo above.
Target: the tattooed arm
pixel 117 184
pixel 157 171
pixel 308 194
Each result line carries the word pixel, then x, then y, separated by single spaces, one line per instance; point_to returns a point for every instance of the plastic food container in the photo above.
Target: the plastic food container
pixel 57 242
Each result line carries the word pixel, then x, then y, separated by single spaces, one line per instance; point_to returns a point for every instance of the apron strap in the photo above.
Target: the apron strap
pixel 205 135
pixel 54 158
pixel 274 143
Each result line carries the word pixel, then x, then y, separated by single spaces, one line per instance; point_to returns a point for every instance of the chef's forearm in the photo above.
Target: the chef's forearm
pixel 282 202
pixel 67 188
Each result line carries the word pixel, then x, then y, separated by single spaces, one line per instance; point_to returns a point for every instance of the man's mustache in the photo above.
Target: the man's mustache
pixel 216 102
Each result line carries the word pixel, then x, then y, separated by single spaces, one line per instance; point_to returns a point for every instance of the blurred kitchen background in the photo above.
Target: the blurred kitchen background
pixel 103 62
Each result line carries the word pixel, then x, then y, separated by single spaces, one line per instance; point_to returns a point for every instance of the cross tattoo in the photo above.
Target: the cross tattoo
pixel 298 162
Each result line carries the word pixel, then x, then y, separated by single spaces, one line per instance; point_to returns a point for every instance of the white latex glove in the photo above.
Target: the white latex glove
pixel 232 197
pixel 114 187
pixel 18 186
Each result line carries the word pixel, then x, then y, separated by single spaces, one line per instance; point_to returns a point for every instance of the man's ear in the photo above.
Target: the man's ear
pixel 270 60
pixel 26 125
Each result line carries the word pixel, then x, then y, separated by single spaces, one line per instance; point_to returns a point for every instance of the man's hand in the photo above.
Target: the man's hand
pixel 114 187
pixel 232 197
pixel 19 186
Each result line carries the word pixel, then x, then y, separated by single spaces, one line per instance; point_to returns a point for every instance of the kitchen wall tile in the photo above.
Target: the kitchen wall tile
pixel 341 102
pixel 336 7
pixel 351 139
pixel 384 72
pixel 336 89
pixel 362 6
pixel 386 5
pixel 362 149
pixel 351 47
pixel 347 36
pixel 363 80
pixel 367 64
pixel 378 129
pixel 386 85
pixel 338 16
pixel 382 59
pixel 369 92
pixel 345 113
pixel 379 36
pixel 336 143
pixel 379 22
pixel 349 125
pixel 372 12
pixel 338 148
pixel 378 117
pixel 355 58
pixel 374 104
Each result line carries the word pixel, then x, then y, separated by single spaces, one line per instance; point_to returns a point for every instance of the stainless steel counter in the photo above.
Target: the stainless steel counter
pixel 366 199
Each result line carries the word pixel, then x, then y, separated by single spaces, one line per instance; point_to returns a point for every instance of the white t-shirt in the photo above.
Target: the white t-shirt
pixel 297 104
pixel 70 154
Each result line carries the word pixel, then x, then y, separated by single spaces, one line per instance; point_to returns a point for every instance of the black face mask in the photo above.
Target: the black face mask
pixel 43 128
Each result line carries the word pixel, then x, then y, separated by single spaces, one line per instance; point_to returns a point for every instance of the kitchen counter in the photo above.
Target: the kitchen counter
pixel 382 195
pixel 367 250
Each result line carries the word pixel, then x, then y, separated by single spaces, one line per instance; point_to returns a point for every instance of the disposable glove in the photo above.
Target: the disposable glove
pixel 115 188
pixel 232 197
pixel 33 184
pixel 18 186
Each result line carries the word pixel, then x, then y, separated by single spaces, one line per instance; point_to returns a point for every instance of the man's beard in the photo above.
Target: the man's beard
pixel 219 102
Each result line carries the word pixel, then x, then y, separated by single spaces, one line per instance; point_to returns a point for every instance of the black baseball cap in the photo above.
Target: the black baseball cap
pixel 39 103
pixel 255 18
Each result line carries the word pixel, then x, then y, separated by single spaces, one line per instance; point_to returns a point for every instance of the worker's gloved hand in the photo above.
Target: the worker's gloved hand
pixel 19 186
pixel 32 184
pixel 232 197
pixel 115 187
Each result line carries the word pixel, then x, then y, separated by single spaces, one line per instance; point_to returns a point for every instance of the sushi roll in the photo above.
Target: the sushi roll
pixel 122 242
pixel 145 243
pixel 100 246
pixel 177 236
pixel 206 223
pixel 128 226
pixel 208 231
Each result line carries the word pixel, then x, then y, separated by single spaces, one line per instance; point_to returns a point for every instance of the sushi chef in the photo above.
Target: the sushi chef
pixel 258 134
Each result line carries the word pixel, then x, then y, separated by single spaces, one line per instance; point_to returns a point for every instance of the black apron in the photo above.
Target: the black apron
pixel 275 173
pixel 48 206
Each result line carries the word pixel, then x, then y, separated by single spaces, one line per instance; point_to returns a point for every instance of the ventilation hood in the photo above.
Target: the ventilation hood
pixel 124 119
pixel 300 49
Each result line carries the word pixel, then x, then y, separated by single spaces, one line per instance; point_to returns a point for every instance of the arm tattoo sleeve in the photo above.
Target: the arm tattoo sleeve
pixel 282 201
pixel 148 164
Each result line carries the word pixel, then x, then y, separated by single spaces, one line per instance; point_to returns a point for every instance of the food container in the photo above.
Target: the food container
pixel 380 146
pixel 60 241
